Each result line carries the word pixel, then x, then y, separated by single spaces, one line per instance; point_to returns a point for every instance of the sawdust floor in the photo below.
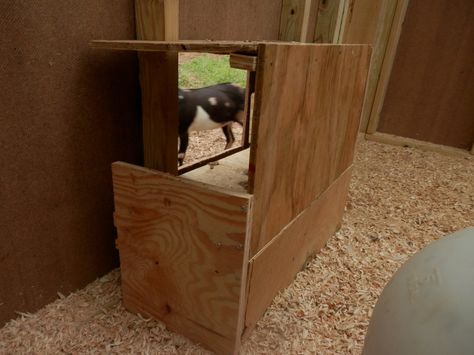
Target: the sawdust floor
pixel 400 200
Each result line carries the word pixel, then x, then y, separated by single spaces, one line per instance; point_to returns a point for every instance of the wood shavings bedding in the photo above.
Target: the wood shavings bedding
pixel 400 200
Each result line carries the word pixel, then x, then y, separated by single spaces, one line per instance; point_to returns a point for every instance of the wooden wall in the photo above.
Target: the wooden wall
pixel 67 112
pixel 430 95
pixel 231 20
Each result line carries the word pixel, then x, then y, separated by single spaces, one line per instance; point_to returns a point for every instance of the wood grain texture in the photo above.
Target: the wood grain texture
pixel 275 266
pixel 244 62
pixel 328 21
pixel 157 19
pixel 159 87
pixel 249 92
pixel 291 20
pixel 385 20
pixel 362 20
pixel 220 47
pixel 430 95
pixel 233 20
pixel 310 103
pixel 387 64
pixel 182 254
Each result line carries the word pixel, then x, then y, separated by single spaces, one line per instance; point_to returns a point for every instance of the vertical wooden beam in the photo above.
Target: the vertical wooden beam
pixel 249 90
pixel 386 65
pixel 158 20
pixel 294 20
pixel 329 20
pixel 386 17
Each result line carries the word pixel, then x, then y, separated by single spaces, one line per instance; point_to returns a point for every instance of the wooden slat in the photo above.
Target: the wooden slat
pixel 329 17
pixel 292 19
pixel 310 103
pixel 189 167
pixel 245 62
pixel 275 266
pixel 220 47
pixel 182 253
pixel 386 66
pixel 414 143
pixel 380 42
pixel 249 90
pixel 159 84
pixel 230 20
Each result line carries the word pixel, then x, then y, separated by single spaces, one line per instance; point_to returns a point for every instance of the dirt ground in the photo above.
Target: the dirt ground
pixel 400 200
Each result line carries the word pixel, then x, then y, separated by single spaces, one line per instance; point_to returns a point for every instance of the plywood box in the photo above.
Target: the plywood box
pixel 205 251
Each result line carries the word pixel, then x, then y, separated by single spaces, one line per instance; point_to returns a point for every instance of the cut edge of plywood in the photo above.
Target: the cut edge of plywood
pixel 414 143
pixel 323 215
pixel 245 62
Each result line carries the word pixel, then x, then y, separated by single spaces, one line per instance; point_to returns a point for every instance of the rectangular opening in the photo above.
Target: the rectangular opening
pixel 214 108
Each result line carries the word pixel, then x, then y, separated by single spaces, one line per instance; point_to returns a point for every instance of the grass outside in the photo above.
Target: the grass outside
pixel 199 70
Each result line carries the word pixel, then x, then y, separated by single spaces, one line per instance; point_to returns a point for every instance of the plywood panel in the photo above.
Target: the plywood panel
pixel 67 112
pixel 272 269
pixel 229 20
pixel 310 103
pixel 181 253
pixel 430 95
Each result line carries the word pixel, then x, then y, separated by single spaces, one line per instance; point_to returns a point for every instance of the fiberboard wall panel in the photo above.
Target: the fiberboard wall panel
pixel 67 112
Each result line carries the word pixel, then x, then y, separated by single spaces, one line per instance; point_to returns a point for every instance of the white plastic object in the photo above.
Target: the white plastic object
pixel 427 308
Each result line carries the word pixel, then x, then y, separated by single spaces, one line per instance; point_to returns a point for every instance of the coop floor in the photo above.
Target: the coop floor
pixel 400 200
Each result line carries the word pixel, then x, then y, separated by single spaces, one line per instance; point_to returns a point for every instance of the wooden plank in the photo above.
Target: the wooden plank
pixel 292 19
pixel 182 254
pixel 257 104
pixel 414 143
pixel 159 84
pixel 386 66
pixel 328 23
pixel 247 124
pixel 220 47
pixel 230 173
pixel 385 22
pixel 233 20
pixel 245 62
pixel 157 20
pixel 275 266
pixel 189 167
pixel 310 104
pixel 430 94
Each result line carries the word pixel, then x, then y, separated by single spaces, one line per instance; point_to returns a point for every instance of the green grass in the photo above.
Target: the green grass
pixel 205 70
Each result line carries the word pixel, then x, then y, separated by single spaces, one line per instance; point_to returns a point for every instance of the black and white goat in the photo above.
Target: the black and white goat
pixel 211 107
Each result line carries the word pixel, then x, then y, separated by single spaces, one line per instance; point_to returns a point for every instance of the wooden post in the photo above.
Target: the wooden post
pixel 294 20
pixel 159 20
pixel 329 20
pixel 386 65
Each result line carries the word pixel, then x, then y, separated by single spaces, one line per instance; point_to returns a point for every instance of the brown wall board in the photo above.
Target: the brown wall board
pixel 229 20
pixel 430 95
pixel 66 113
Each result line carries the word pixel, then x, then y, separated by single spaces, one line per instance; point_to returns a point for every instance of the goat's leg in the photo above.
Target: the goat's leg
pixel 229 135
pixel 183 146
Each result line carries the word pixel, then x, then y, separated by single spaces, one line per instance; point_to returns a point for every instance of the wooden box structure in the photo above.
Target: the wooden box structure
pixel 207 257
